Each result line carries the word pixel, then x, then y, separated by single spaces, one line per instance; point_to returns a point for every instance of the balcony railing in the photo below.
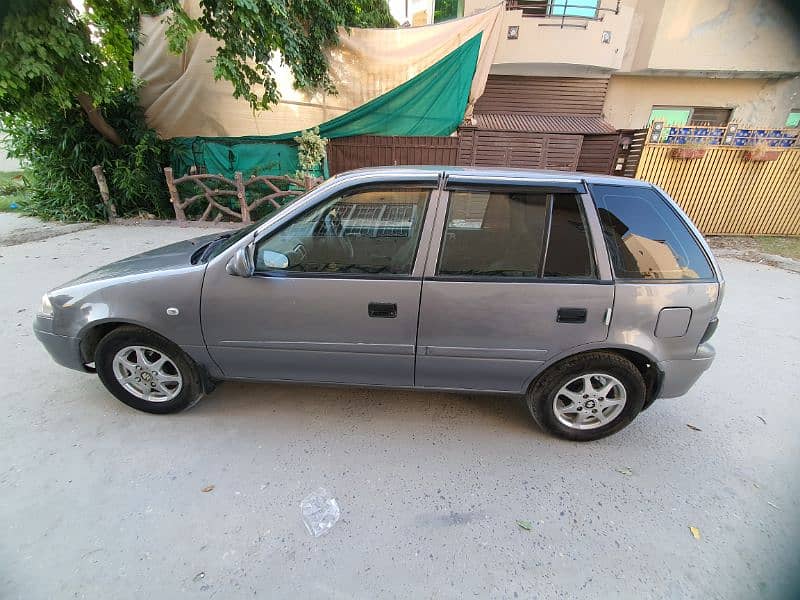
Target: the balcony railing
pixel 568 13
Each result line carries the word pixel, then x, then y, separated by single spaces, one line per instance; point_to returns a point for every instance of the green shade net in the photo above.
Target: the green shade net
pixel 429 104
pixel 225 156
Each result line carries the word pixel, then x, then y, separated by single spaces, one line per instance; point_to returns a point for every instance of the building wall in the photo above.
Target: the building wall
pixel 555 51
pixel 762 102
pixel 412 12
pixel 7 164
pixel 735 36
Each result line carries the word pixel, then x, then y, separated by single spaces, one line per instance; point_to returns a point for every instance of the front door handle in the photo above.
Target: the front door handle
pixel 382 310
pixel 571 315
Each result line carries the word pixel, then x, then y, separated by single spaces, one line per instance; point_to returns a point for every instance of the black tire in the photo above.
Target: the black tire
pixel 191 386
pixel 542 394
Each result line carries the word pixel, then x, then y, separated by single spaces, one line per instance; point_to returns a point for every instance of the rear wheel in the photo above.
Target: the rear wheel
pixel 147 371
pixel 587 397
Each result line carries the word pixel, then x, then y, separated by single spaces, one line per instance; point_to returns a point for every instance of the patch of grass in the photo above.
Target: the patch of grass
pixel 783 246
pixel 12 190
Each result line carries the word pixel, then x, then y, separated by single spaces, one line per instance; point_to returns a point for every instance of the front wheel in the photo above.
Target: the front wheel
pixel 587 397
pixel 146 371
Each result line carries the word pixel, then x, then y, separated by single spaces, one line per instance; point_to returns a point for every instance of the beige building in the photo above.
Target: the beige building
pixel 683 61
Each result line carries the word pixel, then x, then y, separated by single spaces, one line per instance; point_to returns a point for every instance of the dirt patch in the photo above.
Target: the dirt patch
pixel 41 231
pixel 20 229
pixel 756 250
pixel 137 222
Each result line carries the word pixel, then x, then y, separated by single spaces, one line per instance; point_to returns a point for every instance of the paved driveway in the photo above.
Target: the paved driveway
pixel 100 501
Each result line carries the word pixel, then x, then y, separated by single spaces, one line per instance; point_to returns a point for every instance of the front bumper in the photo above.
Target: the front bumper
pixel 678 376
pixel 66 351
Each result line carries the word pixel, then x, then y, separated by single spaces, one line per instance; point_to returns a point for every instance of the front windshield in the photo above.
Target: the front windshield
pixel 248 229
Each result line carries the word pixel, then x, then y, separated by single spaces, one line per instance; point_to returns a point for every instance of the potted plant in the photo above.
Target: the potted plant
pixel 688 151
pixel 762 152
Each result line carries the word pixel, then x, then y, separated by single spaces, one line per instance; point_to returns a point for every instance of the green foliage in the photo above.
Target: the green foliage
pixel 67 89
pixel 47 57
pixel 310 150
pixel 59 155
pixel 252 33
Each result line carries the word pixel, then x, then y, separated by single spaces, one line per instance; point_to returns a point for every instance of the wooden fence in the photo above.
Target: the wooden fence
pixel 375 151
pixel 729 190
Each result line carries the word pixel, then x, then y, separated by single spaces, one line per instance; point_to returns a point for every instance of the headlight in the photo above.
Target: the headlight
pixel 47 307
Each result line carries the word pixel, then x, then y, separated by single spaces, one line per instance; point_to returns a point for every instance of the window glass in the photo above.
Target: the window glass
pixel 574 8
pixel 369 232
pixel 710 116
pixel 568 249
pixel 497 234
pixel 645 237
pixel 672 116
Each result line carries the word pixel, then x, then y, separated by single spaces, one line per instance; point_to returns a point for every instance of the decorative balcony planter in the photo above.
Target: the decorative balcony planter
pixel 687 153
pixel 761 155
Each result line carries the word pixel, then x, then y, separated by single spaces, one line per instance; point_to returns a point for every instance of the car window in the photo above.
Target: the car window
pixel 568 248
pixel 504 234
pixel 370 231
pixel 645 236
pixel 494 233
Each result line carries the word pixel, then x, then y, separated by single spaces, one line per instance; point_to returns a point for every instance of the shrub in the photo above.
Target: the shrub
pixel 59 154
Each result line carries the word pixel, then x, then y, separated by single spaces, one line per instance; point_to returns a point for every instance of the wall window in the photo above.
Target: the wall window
pixel 365 232
pixel 645 237
pixel 793 120
pixel 677 116
pixel 711 116
pixel 574 8
pixel 505 234
pixel 444 10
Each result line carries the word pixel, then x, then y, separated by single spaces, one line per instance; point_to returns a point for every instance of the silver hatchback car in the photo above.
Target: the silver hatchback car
pixel 590 296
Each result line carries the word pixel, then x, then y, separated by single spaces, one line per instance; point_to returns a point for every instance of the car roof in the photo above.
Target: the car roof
pixel 494 173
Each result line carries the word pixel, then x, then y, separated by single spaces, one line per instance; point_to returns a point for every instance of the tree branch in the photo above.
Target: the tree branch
pixel 97 119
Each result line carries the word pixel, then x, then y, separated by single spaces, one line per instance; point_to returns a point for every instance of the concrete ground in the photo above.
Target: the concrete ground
pixel 100 501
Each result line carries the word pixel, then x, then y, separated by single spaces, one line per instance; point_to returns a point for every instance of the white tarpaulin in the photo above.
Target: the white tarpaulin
pixel 181 98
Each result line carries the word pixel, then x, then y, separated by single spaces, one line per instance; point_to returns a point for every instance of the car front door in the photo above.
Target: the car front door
pixel 512 280
pixel 335 295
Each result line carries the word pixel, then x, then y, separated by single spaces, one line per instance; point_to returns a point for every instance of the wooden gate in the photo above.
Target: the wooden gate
pixel 629 151
pixel 518 149
pixel 598 153
pixel 379 151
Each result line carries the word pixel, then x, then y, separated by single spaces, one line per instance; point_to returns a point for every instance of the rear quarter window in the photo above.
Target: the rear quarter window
pixel 645 237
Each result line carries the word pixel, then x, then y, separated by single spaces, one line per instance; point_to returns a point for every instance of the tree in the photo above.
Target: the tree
pixel 53 58
pixel 68 92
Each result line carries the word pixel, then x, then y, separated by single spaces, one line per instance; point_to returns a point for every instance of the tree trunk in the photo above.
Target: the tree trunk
pixel 97 120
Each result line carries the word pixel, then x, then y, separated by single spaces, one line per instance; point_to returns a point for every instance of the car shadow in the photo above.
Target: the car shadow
pixel 391 407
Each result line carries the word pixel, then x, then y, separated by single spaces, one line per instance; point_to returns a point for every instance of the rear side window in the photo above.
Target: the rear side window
pixel 517 234
pixel 645 237
pixel 568 252
pixel 494 234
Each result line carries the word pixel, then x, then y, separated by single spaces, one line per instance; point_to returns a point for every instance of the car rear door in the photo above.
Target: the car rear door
pixel 512 280
pixel 345 309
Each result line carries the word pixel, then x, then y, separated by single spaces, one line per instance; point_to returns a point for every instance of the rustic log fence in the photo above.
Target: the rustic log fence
pixel 236 187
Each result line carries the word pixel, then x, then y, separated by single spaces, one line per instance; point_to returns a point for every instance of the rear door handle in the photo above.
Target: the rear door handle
pixel 571 315
pixel 382 310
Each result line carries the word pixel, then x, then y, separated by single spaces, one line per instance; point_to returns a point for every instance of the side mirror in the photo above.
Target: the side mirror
pixel 273 260
pixel 241 264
